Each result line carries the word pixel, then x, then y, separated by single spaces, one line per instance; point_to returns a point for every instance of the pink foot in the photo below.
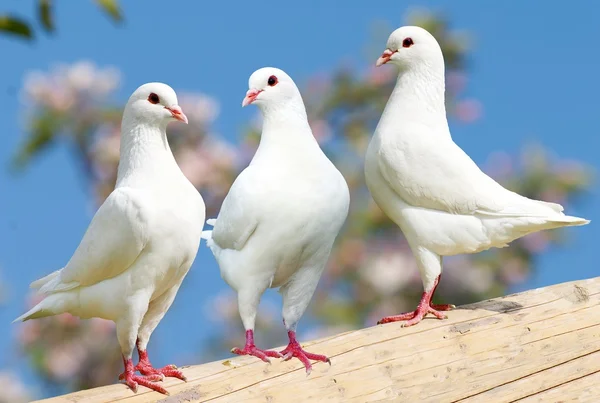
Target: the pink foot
pixel 251 349
pixel 147 369
pixel 294 349
pixel 424 307
pixel 132 380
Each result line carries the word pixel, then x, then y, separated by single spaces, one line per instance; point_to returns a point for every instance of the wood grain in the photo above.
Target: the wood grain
pixel 541 345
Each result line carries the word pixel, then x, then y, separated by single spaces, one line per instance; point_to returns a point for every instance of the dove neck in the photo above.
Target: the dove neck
pixel 145 153
pixel 418 95
pixel 286 127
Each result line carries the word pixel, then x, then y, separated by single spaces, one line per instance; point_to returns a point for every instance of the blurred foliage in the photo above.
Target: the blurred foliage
pixel 21 28
pixel 371 272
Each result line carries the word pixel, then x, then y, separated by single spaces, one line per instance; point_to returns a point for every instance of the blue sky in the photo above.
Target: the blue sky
pixel 535 69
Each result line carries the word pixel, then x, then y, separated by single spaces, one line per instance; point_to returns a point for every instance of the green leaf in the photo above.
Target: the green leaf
pixel 15 26
pixel 45 15
pixel 111 7
pixel 42 134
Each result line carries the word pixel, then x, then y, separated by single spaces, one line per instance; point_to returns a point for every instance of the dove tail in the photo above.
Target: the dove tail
pixel 54 304
pixel 52 283
pixel 208 233
pixel 567 221
pixel 37 284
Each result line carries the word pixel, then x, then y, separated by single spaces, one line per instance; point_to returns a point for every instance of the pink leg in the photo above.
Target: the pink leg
pixel 424 307
pixel 251 349
pixel 132 380
pixel 294 349
pixel 146 368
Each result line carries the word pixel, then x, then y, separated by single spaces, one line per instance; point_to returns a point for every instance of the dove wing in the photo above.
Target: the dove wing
pixel 437 174
pixel 115 238
pixel 238 218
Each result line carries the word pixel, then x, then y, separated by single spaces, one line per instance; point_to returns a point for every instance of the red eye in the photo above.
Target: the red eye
pixel 272 81
pixel 407 43
pixel 153 98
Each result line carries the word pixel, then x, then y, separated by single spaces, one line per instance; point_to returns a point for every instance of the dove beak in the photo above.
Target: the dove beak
pixel 385 57
pixel 250 97
pixel 177 113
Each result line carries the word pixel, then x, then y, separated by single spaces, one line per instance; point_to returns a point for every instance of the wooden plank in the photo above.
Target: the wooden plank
pixel 582 390
pixel 504 349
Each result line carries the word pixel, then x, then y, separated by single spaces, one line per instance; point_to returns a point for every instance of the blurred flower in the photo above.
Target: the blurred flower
pixel 463 275
pixel 514 271
pixel 209 165
pixel 380 76
pixel 65 85
pixel 389 270
pixel 12 390
pixel 106 151
pixel 200 109
pixel 554 195
pixel 222 306
pixel 468 110
pixel 456 82
pixel 321 131
pixel 536 242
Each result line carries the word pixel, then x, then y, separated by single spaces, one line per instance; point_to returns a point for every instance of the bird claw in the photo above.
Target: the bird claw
pixel 294 349
pixel 412 318
pixel 256 352
pixel 132 381
pixel 159 374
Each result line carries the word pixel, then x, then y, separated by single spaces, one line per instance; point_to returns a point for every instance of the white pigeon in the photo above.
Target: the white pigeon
pixel 141 242
pixel 443 203
pixel 281 216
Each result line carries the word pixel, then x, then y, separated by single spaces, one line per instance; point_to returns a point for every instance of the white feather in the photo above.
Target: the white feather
pixel 141 241
pixel 279 220
pixel 427 184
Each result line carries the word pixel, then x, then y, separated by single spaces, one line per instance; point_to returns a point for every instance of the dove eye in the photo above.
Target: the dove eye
pixel 407 43
pixel 272 81
pixel 153 98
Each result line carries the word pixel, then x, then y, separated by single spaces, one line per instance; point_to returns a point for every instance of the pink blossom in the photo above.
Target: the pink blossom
pixel 381 75
pixel 468 110
pixel 321 130
pixel 536 242
pixel 12 389
pixel 388 271
pixel 67 319
pixel 29 332
pixel 99 326
pixel 456 82
pixel 200 109
pixel 63 362
pixel 554 195
pixel 513 271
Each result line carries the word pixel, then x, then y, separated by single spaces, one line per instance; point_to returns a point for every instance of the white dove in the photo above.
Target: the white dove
pixel 443 203
pixel 279 221
pixel 141 242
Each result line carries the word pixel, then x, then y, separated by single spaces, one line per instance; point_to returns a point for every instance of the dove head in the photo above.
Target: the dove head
pixel 412 47
pixel 270 87
pixel 154 104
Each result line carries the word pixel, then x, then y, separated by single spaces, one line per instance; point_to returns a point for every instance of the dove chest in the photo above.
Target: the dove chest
pixel 175 236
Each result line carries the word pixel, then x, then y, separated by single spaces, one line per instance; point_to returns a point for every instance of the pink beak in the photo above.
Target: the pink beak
pixel 385 57
pixel 177 113
pixel 250 97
